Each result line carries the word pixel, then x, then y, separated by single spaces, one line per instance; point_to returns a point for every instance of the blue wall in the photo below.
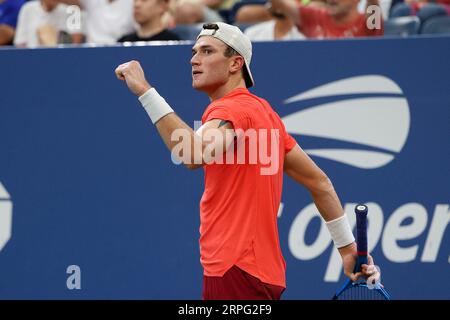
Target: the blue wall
pixel 91 183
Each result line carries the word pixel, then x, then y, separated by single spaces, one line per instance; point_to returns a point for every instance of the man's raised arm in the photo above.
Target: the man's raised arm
pixel 195 148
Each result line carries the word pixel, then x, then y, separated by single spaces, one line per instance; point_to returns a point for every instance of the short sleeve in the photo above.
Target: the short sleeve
pixel 289 143
pixel 238 119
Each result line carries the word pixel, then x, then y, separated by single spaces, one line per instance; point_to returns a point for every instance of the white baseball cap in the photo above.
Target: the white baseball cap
pixel 233 37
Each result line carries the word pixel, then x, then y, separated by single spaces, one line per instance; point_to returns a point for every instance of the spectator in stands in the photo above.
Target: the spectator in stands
pixel 106 20
pixel 340 18
pixel 9 11
pixel 420 3
pixel 149 15
pixel 412 7
pixel 279 27
pixel 45 23
pixel 194 11
pixel 251 14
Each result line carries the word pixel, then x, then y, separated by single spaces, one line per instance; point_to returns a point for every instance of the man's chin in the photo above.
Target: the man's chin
pixel 197 87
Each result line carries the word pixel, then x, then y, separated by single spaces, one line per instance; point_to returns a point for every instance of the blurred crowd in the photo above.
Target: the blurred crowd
pixel 52 22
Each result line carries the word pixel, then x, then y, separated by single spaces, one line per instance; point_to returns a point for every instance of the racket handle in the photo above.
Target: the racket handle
pixel 361 230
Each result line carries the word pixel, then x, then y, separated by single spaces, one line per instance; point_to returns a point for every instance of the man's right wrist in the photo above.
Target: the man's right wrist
pixel 144 89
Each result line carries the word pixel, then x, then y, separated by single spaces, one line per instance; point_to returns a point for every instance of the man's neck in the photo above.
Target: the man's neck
pixel 226 89
pixel 150 28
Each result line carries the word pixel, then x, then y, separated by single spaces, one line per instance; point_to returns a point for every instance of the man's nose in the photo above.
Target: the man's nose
pixel 195 60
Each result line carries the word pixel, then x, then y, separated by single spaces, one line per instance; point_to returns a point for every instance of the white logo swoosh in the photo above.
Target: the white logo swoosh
pixel 358 158
pixel 379 121
pixel 355 85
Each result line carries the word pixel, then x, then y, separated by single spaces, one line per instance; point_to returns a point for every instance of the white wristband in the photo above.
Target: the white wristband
pixel 155 105
pixel 340 231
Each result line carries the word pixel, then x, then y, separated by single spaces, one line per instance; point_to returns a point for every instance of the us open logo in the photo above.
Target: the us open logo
pixel 376 120
pixel 5 216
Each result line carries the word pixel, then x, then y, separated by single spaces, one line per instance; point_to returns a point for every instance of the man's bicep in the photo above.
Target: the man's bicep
pixel 216 124
pixel 217 134
pixel 299 166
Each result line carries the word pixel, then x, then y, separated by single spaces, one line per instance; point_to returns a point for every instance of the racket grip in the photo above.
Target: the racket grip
pixel 361 229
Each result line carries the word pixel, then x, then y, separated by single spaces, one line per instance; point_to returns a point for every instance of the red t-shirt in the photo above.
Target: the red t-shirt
pixel 238 209
pixel 318 23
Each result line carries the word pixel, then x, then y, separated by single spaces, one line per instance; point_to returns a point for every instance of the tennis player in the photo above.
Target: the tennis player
pixel 239 243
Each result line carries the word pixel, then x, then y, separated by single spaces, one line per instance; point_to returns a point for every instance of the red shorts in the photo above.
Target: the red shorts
pixel 236 284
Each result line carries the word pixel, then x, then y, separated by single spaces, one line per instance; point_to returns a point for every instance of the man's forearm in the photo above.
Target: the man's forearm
pixel 330 208
pixel 327 201
pixel 171 128
pixel 166 127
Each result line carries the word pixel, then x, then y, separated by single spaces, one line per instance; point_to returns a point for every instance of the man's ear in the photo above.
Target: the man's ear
pixel 237 64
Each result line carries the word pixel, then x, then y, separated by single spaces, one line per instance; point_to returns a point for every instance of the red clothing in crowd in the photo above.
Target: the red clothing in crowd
pixel 318 23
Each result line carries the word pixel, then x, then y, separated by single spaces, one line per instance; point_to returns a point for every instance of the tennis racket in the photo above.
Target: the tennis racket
pixel 359 290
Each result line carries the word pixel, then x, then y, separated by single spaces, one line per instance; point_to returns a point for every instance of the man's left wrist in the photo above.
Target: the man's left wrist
pixel 348 249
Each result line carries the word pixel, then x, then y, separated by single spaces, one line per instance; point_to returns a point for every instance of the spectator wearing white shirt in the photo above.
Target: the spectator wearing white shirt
pixel 45 23
pixel 106 20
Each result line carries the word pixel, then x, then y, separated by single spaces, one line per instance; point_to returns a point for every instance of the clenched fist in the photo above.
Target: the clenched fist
pixel 132 73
